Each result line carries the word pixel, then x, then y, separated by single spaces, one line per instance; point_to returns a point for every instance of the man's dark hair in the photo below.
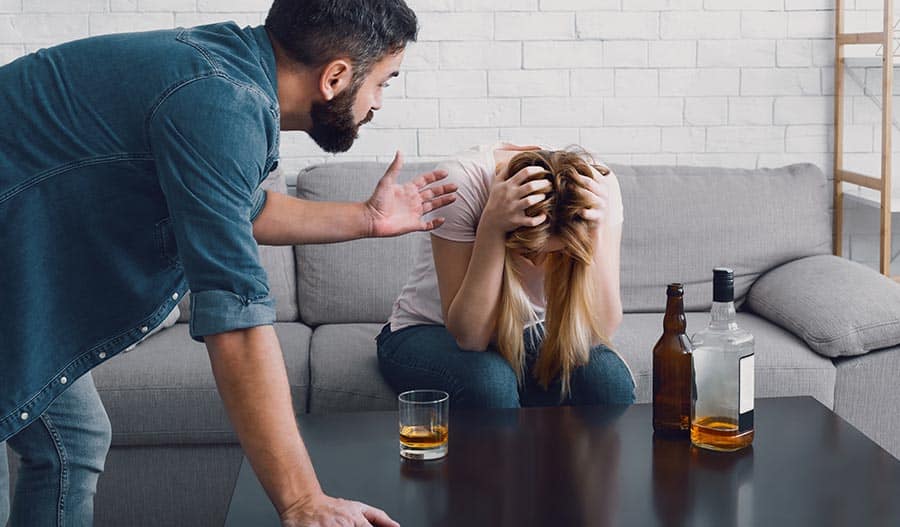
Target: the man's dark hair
pixel 315 32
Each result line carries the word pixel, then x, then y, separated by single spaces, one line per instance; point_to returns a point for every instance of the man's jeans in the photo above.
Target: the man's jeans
pixel 62 455
pixel 428 357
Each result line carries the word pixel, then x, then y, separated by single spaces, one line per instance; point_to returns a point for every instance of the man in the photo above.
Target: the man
pixel 129 173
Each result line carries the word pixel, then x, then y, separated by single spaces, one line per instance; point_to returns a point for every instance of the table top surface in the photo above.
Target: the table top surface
pixel 598 466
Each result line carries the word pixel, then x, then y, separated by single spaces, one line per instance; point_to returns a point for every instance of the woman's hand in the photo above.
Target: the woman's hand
pixel 509 198
pixel 596 192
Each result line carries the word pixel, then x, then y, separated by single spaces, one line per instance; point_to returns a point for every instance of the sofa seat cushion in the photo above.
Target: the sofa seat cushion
pixel 785 366
pixel 344 370
pixel 164 392
pixel 839 307
pixel 345 375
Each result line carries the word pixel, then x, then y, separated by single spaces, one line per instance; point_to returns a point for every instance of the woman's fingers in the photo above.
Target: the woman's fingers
pixel 533 186
pixel 526 173
pixel 532 199
pixel 534 221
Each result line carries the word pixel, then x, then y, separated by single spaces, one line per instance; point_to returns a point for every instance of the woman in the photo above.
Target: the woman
pixel 515 298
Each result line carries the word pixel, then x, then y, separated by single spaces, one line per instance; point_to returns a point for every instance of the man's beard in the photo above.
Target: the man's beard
pixel 333 127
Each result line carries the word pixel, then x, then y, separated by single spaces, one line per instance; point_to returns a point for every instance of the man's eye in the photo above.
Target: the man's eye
pixel 385 84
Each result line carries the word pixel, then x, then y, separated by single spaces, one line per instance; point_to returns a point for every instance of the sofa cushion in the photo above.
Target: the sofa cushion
pixel 354 281
pixel 278 263
pixel 164 392
pixel 344 374
pixel 681 222
pixel 839 307
pixel 785 366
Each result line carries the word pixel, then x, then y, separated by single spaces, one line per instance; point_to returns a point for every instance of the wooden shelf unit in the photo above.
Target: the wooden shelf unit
pixel 841 175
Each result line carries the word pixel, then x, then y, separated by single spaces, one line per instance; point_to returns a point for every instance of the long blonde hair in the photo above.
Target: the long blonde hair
pixel 571 319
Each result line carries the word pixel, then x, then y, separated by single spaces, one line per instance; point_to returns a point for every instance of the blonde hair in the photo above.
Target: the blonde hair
pixel 571 318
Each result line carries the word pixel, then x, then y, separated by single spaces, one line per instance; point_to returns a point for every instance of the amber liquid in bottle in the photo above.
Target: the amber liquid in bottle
pixel 720 434
pixel 672 381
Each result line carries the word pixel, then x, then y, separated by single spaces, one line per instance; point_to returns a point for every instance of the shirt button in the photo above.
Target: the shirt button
pixel 174 296
pixel 144 329
pixel 23 415
pixel 102 354
pixel 63 379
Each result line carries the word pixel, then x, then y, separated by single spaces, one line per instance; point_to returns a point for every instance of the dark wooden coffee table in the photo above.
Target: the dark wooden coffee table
pixel 595 466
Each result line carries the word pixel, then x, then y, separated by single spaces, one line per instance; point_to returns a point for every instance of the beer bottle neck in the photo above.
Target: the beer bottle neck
pixel 674 321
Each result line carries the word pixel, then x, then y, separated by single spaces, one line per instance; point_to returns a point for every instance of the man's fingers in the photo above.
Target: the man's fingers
pixel 378 517
pixel 436 191
pixel 437 203
pixel 429 177
pixel 393 170
pixel 431 225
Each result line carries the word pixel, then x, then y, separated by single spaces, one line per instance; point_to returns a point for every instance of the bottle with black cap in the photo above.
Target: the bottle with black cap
pixel 722 402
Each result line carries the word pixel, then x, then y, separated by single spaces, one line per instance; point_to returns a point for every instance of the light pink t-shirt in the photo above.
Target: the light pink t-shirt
pixel 472 171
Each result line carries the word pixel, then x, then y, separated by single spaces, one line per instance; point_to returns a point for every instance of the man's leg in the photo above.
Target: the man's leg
pixel 4 485
pixel 62 455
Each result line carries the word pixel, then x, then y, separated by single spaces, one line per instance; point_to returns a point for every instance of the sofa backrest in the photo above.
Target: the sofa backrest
pixel 354 281
pixel 278 263
pixel 680 222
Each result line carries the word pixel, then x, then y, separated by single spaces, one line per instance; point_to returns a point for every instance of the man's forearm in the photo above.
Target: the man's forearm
pixel 286 220
pixel 252 381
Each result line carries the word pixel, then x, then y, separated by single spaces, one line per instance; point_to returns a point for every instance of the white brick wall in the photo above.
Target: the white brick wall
pixel 710 82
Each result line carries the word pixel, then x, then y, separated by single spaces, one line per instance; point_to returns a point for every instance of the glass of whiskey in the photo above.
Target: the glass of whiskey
pixel 423 424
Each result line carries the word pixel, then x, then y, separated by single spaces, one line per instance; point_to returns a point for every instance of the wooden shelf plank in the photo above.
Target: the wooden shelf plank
pixel 875 37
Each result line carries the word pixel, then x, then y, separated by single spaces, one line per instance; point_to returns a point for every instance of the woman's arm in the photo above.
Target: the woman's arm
pixel 469 279
pixel 605 271
pixel 605 213
pixel 470 274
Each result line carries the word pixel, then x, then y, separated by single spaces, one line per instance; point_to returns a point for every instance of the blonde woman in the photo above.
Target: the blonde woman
pixel 513 300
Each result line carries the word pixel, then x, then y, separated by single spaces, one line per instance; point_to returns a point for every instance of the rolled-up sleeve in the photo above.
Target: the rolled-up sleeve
pixel 209 142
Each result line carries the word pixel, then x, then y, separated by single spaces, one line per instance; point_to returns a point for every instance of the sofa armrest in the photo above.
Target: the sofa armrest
pixel 838 307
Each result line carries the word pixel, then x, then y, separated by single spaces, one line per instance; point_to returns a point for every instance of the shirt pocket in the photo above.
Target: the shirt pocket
pixel 164 235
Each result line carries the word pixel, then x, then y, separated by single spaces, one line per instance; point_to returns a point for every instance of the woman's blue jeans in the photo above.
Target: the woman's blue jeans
pixel 61 456
pixel 427 356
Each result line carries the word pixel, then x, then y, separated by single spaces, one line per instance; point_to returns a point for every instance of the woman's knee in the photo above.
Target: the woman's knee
pixel 490 382
pixel 606 379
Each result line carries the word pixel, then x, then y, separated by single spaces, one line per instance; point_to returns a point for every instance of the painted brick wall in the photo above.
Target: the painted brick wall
pixel 738 83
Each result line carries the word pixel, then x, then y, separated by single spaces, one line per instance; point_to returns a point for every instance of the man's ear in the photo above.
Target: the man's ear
pixel 335 78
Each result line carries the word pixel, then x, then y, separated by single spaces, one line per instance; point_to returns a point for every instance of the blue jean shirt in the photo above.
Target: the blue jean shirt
pixel 130 167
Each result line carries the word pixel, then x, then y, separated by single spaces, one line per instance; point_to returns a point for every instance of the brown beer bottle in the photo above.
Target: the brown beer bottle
pixel 672 369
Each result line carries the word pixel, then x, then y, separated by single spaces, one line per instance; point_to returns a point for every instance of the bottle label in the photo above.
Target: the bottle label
pixel 746 393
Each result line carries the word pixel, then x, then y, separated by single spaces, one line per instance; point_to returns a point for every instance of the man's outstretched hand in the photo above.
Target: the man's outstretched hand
pixel 396 209
pixel 324 511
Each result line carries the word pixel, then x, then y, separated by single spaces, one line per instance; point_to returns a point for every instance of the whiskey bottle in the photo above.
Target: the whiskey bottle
pixel 672 369
pixel 722 409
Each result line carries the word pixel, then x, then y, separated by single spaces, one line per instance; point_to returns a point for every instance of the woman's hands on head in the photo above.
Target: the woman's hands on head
pixel 595 191
pixel 510 197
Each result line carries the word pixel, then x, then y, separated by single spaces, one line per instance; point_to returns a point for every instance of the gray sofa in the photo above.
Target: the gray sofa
pixel 174 458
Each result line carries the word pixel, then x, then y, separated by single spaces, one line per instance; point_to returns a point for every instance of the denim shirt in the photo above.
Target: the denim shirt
pixel 130 167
